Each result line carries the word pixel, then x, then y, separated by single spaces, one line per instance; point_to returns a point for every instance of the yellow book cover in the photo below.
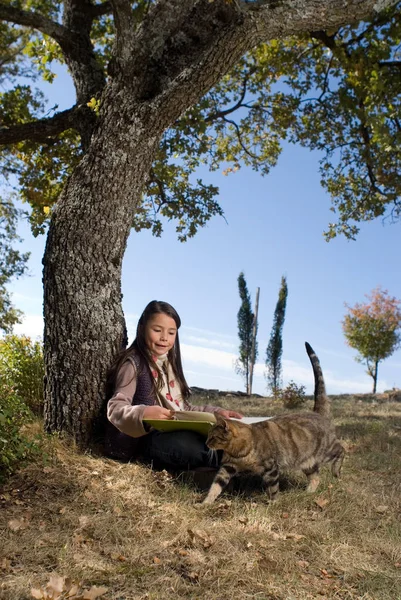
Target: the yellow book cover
pixel 185 419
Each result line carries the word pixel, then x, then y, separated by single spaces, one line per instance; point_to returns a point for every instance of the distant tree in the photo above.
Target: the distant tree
pixel 275 348
pixel 12 264
pixel 374 329
pixel 245 326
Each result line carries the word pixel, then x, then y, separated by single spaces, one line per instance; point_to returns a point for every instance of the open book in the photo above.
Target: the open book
pixel 185 419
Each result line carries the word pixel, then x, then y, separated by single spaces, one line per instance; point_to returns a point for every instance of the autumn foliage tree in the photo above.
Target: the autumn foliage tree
pixel 161 88
pixel 374 329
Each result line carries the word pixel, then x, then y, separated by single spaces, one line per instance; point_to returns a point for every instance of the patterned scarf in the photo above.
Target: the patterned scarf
pixel 169 395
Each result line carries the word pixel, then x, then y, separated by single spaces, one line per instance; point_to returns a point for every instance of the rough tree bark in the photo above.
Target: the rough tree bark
pixel 159 69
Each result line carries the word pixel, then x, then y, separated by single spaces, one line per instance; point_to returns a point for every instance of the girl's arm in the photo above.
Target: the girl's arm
pixel 227 413
pixel 120 411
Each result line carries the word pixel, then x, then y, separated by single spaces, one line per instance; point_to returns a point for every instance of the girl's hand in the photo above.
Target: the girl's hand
pixel 157 412
pixel 229 413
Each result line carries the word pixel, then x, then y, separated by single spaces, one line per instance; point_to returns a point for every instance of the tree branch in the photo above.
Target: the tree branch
pixel 294 16
pixel 98 10
pixel 390 64
pixel 37 21
pixel 223 113
pixel 43 129
pixel 124 22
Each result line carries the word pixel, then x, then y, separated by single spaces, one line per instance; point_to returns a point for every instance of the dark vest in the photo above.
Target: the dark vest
pixel 120 445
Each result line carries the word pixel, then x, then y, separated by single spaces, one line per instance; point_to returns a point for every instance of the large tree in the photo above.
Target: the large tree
pixel 374 329
pixel 275 347
pixel 160 87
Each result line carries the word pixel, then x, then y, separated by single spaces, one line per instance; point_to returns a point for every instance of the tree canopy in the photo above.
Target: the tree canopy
pixel 374 329
pixel 337 91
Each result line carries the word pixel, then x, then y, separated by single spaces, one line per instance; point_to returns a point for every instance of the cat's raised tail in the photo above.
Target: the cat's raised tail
pixel 322 404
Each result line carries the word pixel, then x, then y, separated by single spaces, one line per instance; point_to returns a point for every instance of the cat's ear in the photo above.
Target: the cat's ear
pixel 221 420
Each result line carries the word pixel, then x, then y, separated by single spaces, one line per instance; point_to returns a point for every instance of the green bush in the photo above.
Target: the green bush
pixel 22 370
pixel 14 446
pixel 293 396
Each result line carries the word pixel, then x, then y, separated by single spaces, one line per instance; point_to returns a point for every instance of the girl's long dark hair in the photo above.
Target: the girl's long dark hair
pixel 139 348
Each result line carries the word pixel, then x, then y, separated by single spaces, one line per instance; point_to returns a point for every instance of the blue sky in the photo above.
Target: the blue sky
pixel 274 226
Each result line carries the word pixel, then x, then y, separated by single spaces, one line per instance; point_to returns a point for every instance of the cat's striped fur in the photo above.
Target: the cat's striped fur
pixel 302 441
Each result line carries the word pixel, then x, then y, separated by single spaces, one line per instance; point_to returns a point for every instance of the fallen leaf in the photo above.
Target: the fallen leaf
pixel 5 564
pixel 94 592
pixel 56 584
pixel 156 560
pixel 198 535
pixel 73 591
pixel 117 556
pixel 36 593
pixel 303 564
pixel 17 524
pixel 83 521
pixel 321 502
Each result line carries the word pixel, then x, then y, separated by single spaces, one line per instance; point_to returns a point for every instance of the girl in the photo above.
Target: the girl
pixel 149 383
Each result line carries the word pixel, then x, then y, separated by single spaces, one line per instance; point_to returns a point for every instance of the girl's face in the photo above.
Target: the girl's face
pixel 160 334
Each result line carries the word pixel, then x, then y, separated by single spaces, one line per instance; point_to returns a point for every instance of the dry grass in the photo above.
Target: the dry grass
pixel 142 534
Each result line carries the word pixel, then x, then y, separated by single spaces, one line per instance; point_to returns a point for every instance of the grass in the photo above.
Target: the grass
pixel 97 524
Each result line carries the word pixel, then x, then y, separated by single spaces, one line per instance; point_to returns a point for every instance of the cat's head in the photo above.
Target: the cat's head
pixel 220 434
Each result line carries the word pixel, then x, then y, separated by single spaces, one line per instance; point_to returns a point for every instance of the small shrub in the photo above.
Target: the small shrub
pixel 22 370
pixel 14 446
pixel 293 396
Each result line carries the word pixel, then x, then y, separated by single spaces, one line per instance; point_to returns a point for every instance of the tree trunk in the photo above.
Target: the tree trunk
pixel 84 323
pixel 375 373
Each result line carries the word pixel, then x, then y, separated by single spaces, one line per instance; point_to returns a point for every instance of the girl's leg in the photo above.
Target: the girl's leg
pixel 177 450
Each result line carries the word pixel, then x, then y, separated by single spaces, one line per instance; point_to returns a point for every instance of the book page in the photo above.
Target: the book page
pixel 194 415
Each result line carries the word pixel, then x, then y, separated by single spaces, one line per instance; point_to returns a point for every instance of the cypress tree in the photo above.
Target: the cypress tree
pixel 245 319
pixel 275 348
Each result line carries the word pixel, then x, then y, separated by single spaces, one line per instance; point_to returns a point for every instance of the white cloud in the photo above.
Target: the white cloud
pixel 210 342
pixel 208 333
pixel 217 359
pixel 31 326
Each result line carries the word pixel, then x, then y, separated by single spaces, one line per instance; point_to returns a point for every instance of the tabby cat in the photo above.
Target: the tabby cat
pixel 303 441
